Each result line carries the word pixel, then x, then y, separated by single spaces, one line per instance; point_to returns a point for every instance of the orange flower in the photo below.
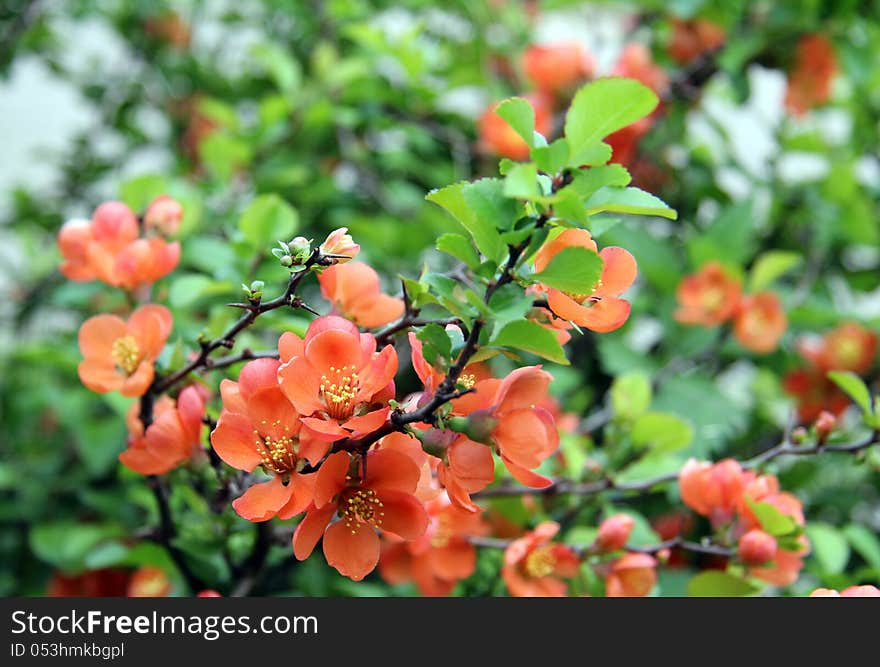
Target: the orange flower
pixel 259 427
pixel 108 249
pixel 469 467
pixel 598 307
pixel 809 83
pixel 164 215
pixel 335 378
pixel 614 532
pixel 693 38
pixel 340 244
pixel 787 563
pixel 119 355
pixel 525 434
pixel 712 490
pixel 756 547
pixel 353 289
pixel 848 347
pixel 760 322
pixel 103 583
pixel 632 575
pixel 441 557
pixel 149 582
pixel 173 438
pixel 73 242
pixel 555 68
pixel 708 297
pixel 814 393
pixel 635 62
pixel 558 326
pixel 382 498
pixel 535 567
pixel 851 592
pixel 499 138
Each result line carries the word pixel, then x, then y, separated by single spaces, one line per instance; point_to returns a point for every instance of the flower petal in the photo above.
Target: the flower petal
pixel 262 501
pixel 354 552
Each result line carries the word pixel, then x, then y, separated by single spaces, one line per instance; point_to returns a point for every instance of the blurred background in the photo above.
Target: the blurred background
pixel 349 112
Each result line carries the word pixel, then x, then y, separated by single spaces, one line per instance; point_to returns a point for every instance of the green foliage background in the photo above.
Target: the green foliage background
pixel 346 113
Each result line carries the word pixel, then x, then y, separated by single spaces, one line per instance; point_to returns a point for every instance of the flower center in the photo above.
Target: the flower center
pixel 126 354
pixel 848 351
pixel 713 298
pixel 442 533
pixel 580 298
pixel 541 562
pixel 361 506
pixel 467 380
pixel 338 390
pixel 278 453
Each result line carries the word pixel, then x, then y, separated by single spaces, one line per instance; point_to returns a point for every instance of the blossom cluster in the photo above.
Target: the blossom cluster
pixel 731 498
pixel 118 249
pixel 714 296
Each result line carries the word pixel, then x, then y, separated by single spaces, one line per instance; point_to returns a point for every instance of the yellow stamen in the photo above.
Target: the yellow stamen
pixel 541 562
pixel 361 506
pixel 126 354
pixel 339 389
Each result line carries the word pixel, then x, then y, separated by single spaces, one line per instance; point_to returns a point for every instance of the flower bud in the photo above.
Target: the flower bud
pixel 614 532
pixel 477 426
pixel 164 215
pixel 757 547
pixel 339 246
pixel 632 575
pixel 799 435
pixel 825 424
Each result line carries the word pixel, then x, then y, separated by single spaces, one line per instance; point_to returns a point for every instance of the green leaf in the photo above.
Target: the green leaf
pixel 866 543
pixel 435 343
pixel 519 114
pixel 509 303
pixel 662 432
pixel 267 219
pixel 552 158
pixel 852 384
pixel 67 544
pixel 573 269
pixel 770 266
pixel 829 547
pixel 588 181
pixel 460 248
pixel 630 395
pixel 568 205
pixel 522 182
pixel 714 583
pixel 483 231
pixel 772 520
pixel 628 200
pixel 531 337
pixel 487 200
pixel 140 191
pixel 602 107
pixel 284 70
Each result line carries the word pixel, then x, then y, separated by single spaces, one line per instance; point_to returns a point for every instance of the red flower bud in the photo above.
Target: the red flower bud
pixel 757 547
pixel 164 215
pixel 614 532
pixel 824 425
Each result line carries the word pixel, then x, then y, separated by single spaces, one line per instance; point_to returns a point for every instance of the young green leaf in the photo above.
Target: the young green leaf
pixel 521 182
pixel 628 200
pixel 460 248
pixel 630 395
pixel 267 219
pixel 483 231
pixel 573 269
pixel 714 583
pixel 770 266
pixel 518 113
pixel 853 386
pixel 602 107
pixel 531 337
